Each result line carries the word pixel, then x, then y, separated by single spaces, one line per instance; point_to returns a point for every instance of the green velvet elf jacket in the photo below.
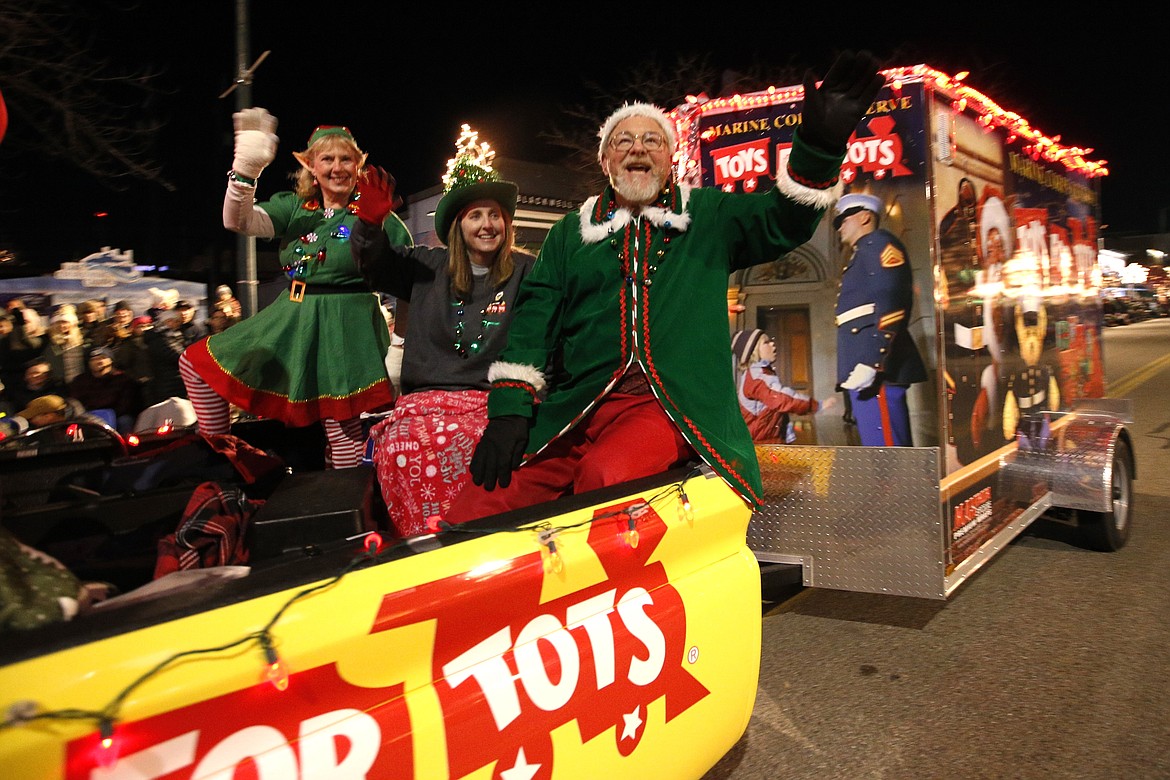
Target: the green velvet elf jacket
pixel 611 287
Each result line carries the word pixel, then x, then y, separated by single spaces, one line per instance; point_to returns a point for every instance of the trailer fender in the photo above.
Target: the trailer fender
pixel 1087 446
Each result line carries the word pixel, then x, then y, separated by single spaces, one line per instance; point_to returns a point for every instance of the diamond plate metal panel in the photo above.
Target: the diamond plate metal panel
pixel 1082 465
pixel 857 518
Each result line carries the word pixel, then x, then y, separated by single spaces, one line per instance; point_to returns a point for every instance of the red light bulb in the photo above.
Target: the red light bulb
pixel 108 745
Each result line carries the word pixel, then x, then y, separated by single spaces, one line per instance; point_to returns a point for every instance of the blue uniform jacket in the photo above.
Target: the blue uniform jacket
pixel 873 312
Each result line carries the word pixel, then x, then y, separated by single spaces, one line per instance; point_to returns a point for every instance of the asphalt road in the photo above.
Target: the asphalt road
pixel 1051 662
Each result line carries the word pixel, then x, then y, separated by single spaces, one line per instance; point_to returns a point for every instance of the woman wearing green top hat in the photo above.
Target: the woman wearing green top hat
pixel 315 353
pixel 461 299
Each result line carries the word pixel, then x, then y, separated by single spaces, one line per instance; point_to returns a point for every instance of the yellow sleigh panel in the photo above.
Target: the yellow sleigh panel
pixel 620 638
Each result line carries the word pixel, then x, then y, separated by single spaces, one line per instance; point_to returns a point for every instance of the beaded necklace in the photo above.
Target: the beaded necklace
pixel 631 242
pixel 497 307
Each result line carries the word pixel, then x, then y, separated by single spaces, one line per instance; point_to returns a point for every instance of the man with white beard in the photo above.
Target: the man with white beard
pixel 616 366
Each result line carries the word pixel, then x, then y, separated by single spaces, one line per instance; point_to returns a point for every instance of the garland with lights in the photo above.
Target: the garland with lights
pixel 988 114
pixel 106 718
pixel 274 671
pixel 547 533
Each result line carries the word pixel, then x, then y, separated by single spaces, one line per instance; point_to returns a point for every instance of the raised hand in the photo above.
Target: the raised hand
pixel 376 196
pixel 255 141
pixel 833 110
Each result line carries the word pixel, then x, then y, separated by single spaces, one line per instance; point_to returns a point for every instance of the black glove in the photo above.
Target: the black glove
pixel 832 113
pixel 500 451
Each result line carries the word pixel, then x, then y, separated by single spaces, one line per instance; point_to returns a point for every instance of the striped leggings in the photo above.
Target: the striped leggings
pixel 345 441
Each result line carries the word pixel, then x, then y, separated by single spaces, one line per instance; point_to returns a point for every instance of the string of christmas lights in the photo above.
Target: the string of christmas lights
pixel 106 718
pixel 472 162
pixel 988 114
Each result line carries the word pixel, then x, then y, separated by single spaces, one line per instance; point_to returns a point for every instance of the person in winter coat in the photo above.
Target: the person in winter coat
pixel 102 386
pixel 764 401
pixel 22 338
pixel 165 345
pixel 65 350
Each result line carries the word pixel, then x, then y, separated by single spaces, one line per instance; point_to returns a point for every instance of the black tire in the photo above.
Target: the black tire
pixel 1109 531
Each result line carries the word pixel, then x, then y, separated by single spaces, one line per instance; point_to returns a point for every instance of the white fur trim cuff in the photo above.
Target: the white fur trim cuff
pixel 807 196
pixel 519 372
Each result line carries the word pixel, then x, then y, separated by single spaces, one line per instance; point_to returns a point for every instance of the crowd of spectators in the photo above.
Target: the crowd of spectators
pixel 97 358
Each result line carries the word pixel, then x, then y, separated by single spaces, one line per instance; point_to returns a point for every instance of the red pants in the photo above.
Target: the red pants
pixel 626 437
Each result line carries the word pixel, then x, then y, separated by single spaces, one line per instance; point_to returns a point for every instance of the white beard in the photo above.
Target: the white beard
pixel 642 192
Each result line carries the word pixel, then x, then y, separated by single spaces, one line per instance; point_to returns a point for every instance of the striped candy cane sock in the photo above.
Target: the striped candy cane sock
pixel 211 410
pixel 345 442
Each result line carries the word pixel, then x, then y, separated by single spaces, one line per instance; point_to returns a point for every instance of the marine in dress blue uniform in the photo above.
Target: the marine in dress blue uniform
pixel 877 359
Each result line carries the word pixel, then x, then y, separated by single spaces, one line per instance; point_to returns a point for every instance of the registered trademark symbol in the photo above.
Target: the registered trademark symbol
pixel 693 655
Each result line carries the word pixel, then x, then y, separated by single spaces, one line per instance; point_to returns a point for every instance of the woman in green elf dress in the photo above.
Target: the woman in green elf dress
pixel 316 353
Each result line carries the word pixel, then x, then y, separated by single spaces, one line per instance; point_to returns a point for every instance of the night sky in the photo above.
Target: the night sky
pixel 404 80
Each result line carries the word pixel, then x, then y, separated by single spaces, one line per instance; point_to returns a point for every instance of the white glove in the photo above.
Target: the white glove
pixel 860 377
pixel 255 141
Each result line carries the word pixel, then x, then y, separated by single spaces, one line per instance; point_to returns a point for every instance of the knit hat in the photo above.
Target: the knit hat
pixel 470 177
pixel 123 306
pixel 43 405
pixel 101 352
pixel 743 345
pixel 635 109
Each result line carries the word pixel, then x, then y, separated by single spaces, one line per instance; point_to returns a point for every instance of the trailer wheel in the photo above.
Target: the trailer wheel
pixel 1109 531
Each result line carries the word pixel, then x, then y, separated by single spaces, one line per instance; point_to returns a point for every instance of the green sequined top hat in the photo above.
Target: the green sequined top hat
pixel 470 177
pixel 327 130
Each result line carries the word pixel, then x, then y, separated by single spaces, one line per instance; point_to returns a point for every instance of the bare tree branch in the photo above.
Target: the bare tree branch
pixel 68 99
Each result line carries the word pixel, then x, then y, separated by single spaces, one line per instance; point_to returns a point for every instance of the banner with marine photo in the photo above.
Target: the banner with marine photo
pixel 1021 319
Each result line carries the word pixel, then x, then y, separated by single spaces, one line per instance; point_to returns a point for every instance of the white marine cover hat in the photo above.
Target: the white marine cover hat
pixel 855 201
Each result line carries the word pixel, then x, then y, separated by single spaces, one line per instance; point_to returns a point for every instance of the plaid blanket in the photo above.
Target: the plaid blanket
pixel 210 533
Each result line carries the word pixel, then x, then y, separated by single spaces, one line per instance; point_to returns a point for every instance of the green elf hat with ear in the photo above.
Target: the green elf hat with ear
pixel 470 177
pixel 327 130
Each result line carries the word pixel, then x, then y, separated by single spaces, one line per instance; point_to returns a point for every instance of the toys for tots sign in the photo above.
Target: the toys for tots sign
pixel 505 671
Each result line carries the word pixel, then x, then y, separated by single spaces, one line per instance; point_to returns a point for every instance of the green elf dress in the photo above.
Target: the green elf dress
pixel 318 351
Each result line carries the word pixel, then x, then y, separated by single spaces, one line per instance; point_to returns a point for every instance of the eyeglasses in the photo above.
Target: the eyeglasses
pixel 651 141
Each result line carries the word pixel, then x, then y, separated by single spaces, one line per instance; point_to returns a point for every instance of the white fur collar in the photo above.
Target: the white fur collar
pixel 593 233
